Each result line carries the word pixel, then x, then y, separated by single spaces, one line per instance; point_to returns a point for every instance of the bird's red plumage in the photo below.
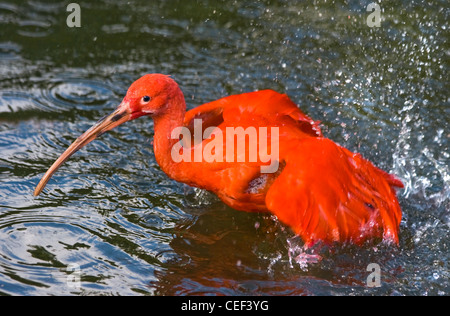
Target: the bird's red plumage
pixel 324 192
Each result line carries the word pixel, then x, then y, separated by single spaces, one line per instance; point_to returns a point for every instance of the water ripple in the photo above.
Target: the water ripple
pixel 80 94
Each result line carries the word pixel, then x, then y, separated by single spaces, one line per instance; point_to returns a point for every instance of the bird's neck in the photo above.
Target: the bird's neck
pixel 163 142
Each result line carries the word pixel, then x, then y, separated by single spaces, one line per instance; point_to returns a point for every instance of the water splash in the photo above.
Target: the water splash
pixel 443 170
pixel 417 165
pixel 301 254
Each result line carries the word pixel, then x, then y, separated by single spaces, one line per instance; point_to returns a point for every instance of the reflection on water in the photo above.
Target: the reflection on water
pixel 111 212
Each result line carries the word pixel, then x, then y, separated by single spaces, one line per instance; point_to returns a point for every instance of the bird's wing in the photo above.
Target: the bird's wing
pixel 327 193
pixel 260 108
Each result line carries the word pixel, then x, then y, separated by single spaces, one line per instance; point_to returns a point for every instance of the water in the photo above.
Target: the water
pixel 111 222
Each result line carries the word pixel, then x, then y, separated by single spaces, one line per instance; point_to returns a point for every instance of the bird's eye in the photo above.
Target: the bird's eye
pixel 146 99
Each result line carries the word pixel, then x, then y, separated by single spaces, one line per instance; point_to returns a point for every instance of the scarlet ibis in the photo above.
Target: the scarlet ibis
pixel 321 190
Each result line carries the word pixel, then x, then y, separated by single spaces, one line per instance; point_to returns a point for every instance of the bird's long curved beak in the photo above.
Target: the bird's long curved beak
pixel 119 116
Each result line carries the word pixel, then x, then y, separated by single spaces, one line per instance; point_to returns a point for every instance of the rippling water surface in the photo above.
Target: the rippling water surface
pixel 112 218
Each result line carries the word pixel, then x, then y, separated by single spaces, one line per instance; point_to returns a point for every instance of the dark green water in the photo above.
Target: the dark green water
pixel 127 229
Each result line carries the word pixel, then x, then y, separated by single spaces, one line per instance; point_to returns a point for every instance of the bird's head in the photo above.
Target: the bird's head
pixel 151 95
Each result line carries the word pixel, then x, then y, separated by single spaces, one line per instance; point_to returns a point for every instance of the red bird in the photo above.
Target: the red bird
pixel 321 190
